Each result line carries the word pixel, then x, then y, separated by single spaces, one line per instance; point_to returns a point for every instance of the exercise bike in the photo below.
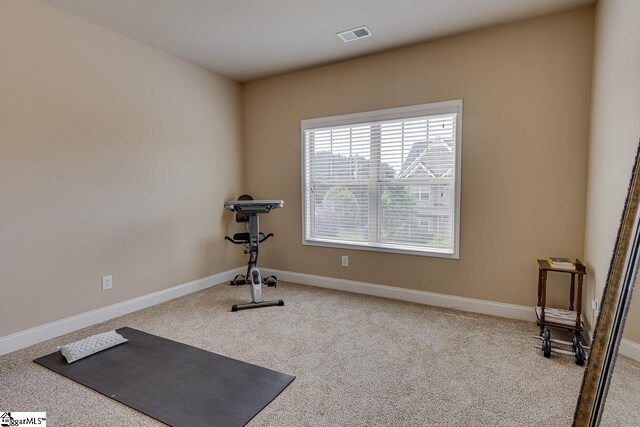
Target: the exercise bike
pixel 247 210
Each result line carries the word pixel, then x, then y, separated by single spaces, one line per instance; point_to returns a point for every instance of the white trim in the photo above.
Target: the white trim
pixel 511 311
pixel 629 349
pixel 28 337
pixel 387 248
pixel 454 106
pixel 431 108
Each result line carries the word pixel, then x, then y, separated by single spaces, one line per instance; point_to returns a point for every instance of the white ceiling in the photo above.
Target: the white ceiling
pixel 249 39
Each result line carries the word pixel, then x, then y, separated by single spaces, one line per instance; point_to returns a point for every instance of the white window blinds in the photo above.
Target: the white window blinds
pixel 384 180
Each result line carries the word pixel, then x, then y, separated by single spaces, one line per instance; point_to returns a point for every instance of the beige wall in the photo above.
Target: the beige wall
pixel 615 131
pixel 115 158
pixel 526 91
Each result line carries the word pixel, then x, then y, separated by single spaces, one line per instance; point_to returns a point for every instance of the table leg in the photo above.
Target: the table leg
pixel 579 303
pixel 572 291
pixel 539 288
pixel 543 299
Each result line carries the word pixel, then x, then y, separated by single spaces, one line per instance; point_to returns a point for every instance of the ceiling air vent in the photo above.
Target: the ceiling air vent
pixel 354 34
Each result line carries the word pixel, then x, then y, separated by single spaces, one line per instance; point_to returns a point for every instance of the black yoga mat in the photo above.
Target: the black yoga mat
pixel 175 383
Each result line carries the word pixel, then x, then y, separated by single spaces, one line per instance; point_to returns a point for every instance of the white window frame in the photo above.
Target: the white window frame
pixel 435 108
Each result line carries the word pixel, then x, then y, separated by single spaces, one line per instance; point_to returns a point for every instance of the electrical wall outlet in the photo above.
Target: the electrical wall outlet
pixel 345 261
pixel 107 282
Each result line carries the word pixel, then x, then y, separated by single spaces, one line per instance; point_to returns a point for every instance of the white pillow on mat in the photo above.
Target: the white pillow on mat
pixel 90 345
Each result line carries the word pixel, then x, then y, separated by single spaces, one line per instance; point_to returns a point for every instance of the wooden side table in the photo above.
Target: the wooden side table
pixel 571 318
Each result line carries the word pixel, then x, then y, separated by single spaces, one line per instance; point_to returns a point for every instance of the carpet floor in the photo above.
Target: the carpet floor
pixel 359 360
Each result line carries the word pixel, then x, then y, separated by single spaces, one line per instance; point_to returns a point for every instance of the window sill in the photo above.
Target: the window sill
pixel 393 249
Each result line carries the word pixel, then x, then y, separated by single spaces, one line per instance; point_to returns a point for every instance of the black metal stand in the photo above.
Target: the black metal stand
pixel 236 307
pixel 247 212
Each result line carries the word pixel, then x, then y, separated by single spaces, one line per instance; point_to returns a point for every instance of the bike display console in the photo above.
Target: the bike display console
pixel 253 206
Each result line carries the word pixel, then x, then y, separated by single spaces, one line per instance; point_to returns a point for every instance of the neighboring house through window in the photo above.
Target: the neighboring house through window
pixel 385 180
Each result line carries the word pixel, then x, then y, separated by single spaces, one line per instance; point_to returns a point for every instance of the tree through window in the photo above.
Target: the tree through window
pixel 384 180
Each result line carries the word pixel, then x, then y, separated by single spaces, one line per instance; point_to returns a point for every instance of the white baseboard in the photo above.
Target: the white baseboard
pixel 421 297
pixel 512 311
pixel 629 349
pixel 41 333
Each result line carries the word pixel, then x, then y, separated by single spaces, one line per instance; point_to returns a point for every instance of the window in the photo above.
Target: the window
pixel 385 180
